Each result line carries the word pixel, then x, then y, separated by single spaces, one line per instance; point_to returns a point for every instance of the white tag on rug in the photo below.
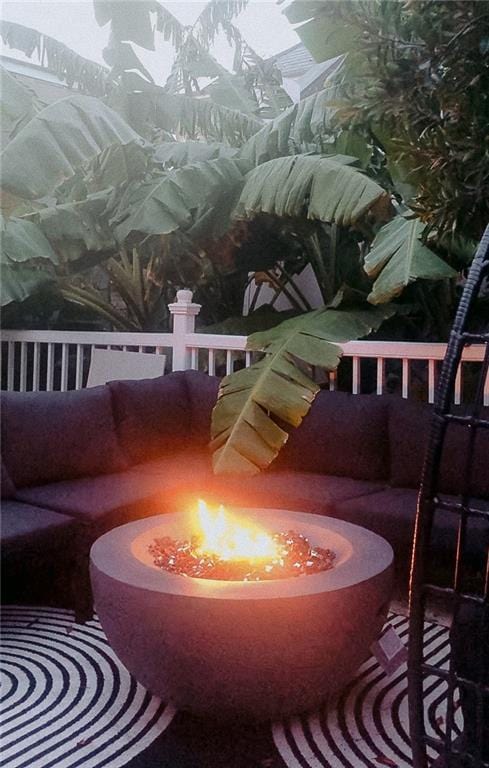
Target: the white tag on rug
pixel 390 651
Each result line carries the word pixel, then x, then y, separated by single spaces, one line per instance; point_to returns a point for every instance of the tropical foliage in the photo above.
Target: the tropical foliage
pixel 214 180
pixel 415 78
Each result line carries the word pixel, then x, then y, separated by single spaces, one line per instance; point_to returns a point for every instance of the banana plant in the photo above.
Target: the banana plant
pixel 98 187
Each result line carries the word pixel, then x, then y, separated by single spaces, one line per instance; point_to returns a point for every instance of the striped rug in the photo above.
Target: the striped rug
pixel 67 702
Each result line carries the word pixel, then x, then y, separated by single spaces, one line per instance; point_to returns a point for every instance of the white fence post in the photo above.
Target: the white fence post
pixel 184 312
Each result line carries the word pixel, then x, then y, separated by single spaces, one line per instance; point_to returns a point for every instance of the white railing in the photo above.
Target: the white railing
pixel 59 360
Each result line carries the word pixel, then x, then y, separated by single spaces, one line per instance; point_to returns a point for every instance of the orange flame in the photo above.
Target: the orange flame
pixel 229 538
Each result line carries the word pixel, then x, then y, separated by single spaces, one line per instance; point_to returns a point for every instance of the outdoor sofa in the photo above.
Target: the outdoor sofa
pixel 76 464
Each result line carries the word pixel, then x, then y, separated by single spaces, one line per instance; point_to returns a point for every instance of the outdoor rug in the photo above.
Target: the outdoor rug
pixel 67 702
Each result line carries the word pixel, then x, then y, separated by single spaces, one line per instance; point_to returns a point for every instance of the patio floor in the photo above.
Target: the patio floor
pixel 67 701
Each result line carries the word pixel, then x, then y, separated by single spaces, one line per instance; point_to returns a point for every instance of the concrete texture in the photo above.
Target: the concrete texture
pixel 240 650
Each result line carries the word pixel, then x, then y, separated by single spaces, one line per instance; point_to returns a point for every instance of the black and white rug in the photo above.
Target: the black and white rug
pixel 67 702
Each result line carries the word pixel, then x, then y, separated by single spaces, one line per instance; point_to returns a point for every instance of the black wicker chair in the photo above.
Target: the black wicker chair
pixel 465 595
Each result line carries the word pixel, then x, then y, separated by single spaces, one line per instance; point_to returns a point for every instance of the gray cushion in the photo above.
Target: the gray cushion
pixel 7 486
pixel 302 491
pixel 59 435
pixel 391 513
pixel 202 391
pixel 409 427
pixel 145 489
pixel 152 415
pixel 344 435
pixel 27 527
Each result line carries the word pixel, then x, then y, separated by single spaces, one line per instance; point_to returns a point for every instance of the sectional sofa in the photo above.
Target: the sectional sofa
pixel 76 464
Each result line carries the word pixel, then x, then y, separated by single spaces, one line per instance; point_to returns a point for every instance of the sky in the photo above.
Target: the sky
pixel 72 22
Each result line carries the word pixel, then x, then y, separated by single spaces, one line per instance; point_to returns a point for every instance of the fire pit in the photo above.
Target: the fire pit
pixel 247 649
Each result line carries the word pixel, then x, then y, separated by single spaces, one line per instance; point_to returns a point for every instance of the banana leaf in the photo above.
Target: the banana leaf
pixel 398 257
pixel 180 200
pixel 179 153
pixel 245 432
pixel 23 241
pixel 19 283
pixel 317 187
pixel 18 104
pixel 65 135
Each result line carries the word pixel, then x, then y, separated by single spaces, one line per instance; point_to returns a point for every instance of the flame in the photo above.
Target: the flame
pixel 229 538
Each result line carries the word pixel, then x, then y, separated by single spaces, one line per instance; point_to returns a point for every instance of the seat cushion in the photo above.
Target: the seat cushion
pixel 26 527
pixel 7 486
pixel 202 392
pixel 50 436
pixel 152 416
pixel 343 435
pixel 302 491
pixel 109 500
pixel 391 513
pixel 409 428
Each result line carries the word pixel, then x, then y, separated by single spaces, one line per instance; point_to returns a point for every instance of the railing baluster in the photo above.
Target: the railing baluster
pixel 64 367
pixel 10 365
pixel 405 377
pixel 35 366
pixel 194 359
pixel 457 395
pixel 247 359
pixel 229 362
pixel 50 367
pixel 380 375
pixel 332 381
pixel 431 380
pixel 79 367
pixel 355 384
pixel 23 366
pixel 212 363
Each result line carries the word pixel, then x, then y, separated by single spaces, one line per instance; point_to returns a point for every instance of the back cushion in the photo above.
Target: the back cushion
pixel 409 428
pixel 7 486
pixel 202 390
pixel 152 416
pixel 343 435
pixel 49 436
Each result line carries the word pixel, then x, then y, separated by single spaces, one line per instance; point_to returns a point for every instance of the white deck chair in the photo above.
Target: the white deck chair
pixel 111 365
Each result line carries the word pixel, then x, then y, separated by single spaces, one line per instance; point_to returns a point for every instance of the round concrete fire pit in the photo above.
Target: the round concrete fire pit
pixel 249 650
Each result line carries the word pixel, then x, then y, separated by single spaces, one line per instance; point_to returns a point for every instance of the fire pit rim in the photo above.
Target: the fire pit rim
pixel 114 553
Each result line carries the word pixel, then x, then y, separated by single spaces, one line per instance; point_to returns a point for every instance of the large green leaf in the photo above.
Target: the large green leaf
pixel 23 241
pixel 182 199
pixel 317 187
pixel 21 282
pixel 69 66
pixel 398 257
pixel 308 122
pixel 57 141
pixel 200 117
pixel 246 436
pixel 24 253
pixel 178 153
pixel 80 226
pixel 129 20
pixel 18 104
pixel 325 32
